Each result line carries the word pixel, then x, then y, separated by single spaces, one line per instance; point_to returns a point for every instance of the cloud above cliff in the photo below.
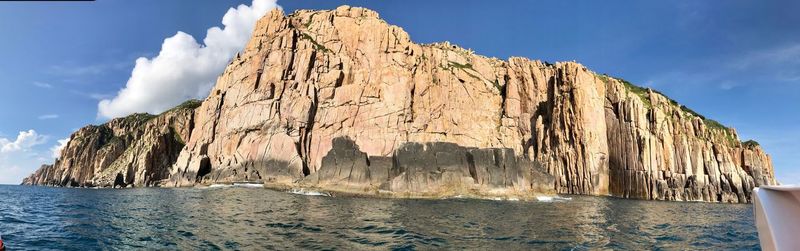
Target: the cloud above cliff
pixel 24 141
pixel 774 65
pixel 184 68
pixel 47 116
pixel 43 85
pixel 56 149
pixel 19 154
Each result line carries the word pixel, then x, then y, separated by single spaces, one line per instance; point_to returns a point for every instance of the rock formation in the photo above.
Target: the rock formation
pixel 135 150
pixel 343 101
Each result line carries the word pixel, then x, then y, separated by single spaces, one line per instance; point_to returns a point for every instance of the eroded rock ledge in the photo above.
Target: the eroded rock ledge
pixel 341 100
pixel 434 169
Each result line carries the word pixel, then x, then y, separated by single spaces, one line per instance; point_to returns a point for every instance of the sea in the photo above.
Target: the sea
pixel 254 218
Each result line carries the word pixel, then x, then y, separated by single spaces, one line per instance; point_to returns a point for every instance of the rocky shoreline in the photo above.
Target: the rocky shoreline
pixel 342 101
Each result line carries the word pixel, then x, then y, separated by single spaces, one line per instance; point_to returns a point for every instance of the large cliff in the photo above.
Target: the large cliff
pixel 341 100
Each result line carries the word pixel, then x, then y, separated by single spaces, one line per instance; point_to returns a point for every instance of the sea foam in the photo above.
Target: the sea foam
pixel 552 198
pixel 244 185
pixel 302 191
pixel 251 185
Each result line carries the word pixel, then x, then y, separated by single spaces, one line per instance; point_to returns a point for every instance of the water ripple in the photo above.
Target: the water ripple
pixel 237 218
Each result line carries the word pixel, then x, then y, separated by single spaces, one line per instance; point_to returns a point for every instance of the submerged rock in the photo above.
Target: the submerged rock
pixel 341 100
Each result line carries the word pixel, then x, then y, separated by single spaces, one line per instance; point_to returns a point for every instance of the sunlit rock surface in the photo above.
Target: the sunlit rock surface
pixel 342 100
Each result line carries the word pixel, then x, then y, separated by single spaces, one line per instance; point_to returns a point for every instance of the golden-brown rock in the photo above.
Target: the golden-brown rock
pixel 136 150
pixel 341 100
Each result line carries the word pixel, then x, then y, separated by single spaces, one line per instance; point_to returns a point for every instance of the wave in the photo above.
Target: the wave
pixel 505 198
pixel 552 198
pixel 252 185
pixel 245 185
pixel 302 191
pixel 462 196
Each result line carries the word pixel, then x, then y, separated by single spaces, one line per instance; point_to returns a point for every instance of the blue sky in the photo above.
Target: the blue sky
pixel 737 62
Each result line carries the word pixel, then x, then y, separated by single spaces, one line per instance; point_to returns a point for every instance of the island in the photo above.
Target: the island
pixel 342 101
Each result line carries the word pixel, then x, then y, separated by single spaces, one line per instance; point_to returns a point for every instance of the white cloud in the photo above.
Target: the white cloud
pixel 19 156
pixel 185 69
pixel 779 64
pixel 12 174
pixel 99 96
pixel 783 54
pixel 48 116
pixel 42 85
pixel 56 149
pixel 92 95
pixel 77 70
pixel 24 141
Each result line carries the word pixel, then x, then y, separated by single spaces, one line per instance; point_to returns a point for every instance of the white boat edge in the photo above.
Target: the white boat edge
pixel 777 216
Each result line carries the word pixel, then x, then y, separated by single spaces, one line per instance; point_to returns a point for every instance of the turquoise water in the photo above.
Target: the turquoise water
pixel 42 218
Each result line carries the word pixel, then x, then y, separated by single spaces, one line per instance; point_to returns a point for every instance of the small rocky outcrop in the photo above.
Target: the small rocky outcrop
pixel 342 100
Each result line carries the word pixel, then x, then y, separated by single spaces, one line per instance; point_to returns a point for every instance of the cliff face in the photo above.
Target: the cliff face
pixel 341 100
pixel 661 150
pixel 135 150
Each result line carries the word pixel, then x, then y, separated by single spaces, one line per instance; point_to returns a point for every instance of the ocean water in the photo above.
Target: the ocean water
pixel 246 218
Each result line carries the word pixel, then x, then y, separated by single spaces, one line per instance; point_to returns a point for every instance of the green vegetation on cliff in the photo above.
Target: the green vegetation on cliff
pixel 317 45
pixel 460 66
pixel 138 117
pixel 644 94
pixel 188 104
pixel 750 143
